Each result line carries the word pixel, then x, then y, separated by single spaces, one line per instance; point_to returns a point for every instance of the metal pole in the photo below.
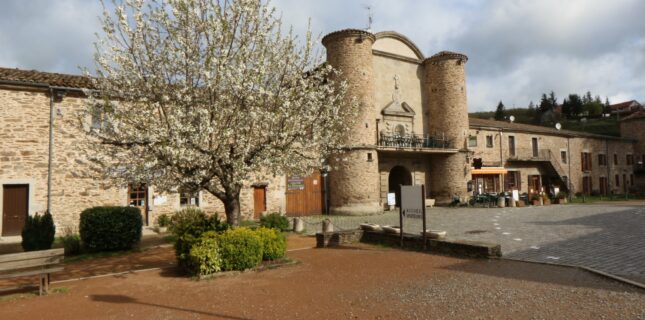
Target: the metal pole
pixel 400 221
pixel 423 197
pixel 51 149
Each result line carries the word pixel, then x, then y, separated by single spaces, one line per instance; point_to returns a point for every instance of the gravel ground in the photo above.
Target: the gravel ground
pixel 362 282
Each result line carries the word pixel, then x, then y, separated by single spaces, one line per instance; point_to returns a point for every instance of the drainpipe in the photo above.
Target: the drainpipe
pixel 51 149
pixel 569 165
pixel 608 167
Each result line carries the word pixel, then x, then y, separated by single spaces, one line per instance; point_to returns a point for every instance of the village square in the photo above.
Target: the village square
pixel 216 159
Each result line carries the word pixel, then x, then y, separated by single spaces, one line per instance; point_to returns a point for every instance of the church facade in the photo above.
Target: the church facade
pixel 412 128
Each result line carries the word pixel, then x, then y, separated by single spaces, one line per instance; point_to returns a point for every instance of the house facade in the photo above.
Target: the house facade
pixel 413 128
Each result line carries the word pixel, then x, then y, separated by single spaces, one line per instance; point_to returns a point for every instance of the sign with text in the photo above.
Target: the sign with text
pixel 296 183
pixel 412 202
pixel 391 199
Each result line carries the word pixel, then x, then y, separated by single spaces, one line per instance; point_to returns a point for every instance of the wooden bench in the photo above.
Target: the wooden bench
pixel 41 263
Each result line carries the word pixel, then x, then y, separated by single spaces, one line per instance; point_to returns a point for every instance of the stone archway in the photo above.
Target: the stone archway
pixel 399 175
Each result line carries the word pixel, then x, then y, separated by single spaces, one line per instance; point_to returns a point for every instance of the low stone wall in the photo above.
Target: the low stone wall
pixel 459 248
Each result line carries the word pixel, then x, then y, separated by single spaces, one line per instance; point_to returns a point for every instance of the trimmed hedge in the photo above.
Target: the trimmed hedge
pixel 205 256
pixel 240 249
pixel 274 243
pixel 110 228
pixel 38 232
pixel 187 226
pixel 275 221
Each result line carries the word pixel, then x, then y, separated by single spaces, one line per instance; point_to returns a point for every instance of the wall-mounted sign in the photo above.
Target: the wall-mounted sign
pixel 295 183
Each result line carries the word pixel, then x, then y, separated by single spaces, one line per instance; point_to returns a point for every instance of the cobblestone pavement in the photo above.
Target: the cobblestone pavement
pixel 608 238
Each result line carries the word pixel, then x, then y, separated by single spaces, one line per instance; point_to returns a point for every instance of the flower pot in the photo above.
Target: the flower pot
pixel 535 202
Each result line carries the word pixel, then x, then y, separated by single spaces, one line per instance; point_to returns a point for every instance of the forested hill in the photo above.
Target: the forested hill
pixel 598 125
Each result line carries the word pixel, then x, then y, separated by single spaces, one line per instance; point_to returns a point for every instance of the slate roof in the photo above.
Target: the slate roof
pixel 636 115
pixel 38 78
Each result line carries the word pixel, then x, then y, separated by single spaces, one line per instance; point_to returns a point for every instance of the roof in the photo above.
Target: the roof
pixel 447 55
pixel 39 78
pixel 522 127
pixel 634 116
pixel 624 105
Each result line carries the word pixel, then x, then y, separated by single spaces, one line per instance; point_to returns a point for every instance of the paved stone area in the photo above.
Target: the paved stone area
pixel 605 237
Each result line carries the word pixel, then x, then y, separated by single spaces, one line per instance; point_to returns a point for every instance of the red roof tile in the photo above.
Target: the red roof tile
pixel 38 77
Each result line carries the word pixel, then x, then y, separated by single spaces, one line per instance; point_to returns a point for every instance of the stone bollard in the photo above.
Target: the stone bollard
pixel 512 203
pixel 298 225
pixel 327 226
pixel 501 202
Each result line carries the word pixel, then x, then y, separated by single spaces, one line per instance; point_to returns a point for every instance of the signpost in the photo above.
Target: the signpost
pixel 413 206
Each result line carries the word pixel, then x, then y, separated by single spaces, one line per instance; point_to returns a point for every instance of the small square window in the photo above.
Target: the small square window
pixel 489 141
pixel 472 141
pixel 369 156
pixel 189 199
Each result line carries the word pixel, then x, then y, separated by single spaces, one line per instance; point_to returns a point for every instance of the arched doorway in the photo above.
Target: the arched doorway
pixel 399 175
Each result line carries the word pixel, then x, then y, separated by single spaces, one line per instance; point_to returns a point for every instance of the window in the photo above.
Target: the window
pixel 99 118
pixel 489 141
pixel 563 156
pixel 586 161
pixel 629 159
pixel 615 159
pixel 511 145
pixel 472 141
pixel 188 199
pixel 534 146
pixel 369 156
pixel 587 185
pixel 602 159
pixel 617 181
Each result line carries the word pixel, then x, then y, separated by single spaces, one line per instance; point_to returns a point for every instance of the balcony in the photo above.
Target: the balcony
pixel 415 143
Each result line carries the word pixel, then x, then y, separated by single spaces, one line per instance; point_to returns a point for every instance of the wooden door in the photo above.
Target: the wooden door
pixel 305 195
pixel 138 197
pixel 15 208
pixel 534 184
pixel 259 201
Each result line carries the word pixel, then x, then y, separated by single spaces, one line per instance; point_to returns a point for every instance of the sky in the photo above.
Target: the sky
pixel 517 49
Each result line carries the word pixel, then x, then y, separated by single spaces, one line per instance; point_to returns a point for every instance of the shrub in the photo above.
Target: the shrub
pixel 163 220
pixel 204 256
pixel 110 228
pixel 275 221
pixel 187 226
pixel 38 232
pixel 274 243
pixel 240 249
pixel 595 193
pixel 561 195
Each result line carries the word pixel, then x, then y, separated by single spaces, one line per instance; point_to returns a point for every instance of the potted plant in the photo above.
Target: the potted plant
pixel 162 223
pixel 561 197
pixel 535 200
pixel 546 200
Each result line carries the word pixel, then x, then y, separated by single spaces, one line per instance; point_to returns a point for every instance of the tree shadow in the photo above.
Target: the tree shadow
pixel 121 299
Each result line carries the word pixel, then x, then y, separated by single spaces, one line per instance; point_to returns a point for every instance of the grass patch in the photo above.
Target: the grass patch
pixel 32 294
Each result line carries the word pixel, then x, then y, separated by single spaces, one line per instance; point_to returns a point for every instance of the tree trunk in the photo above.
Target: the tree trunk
pixel 232 208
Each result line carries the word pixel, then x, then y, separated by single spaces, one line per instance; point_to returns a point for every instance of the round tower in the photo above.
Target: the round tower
pixel 354 177
pixel 445 90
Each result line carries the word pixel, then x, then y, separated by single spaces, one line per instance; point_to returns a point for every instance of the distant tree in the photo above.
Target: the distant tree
pixel 500 112
pixel 531 112
pixel 572 106
pixel 606 108
pixel 592 106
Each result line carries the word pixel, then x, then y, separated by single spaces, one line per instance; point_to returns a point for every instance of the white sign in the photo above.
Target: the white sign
pixel 516 195
pixel 391 199
pixel 412 202
pixel 159 200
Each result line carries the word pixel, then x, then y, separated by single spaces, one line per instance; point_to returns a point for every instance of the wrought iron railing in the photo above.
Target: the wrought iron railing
pixel 414 141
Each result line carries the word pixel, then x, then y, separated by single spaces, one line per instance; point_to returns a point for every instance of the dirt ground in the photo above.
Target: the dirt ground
pixel 363 282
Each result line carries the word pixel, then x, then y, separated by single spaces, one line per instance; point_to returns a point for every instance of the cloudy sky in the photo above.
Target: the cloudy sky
pixel 517 49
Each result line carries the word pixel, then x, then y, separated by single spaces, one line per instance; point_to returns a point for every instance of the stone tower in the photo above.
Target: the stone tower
pixel 354 177
pixel 445 90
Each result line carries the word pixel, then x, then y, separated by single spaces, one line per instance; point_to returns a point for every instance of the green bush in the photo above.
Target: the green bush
pixel 110 228
pixel 274 243
pixel 163 220
pixel 240 249
pixel 38 232
pixel 275 221
pixel 187 226
pixel 71 244
pixel 205 256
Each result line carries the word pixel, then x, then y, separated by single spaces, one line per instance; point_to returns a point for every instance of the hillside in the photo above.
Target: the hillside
pixel 604 126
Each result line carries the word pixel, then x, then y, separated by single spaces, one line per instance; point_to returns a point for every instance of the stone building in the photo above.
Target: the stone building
pixel 413 128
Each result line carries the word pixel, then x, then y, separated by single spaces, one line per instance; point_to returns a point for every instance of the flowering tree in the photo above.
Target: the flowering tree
pixel 208 94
